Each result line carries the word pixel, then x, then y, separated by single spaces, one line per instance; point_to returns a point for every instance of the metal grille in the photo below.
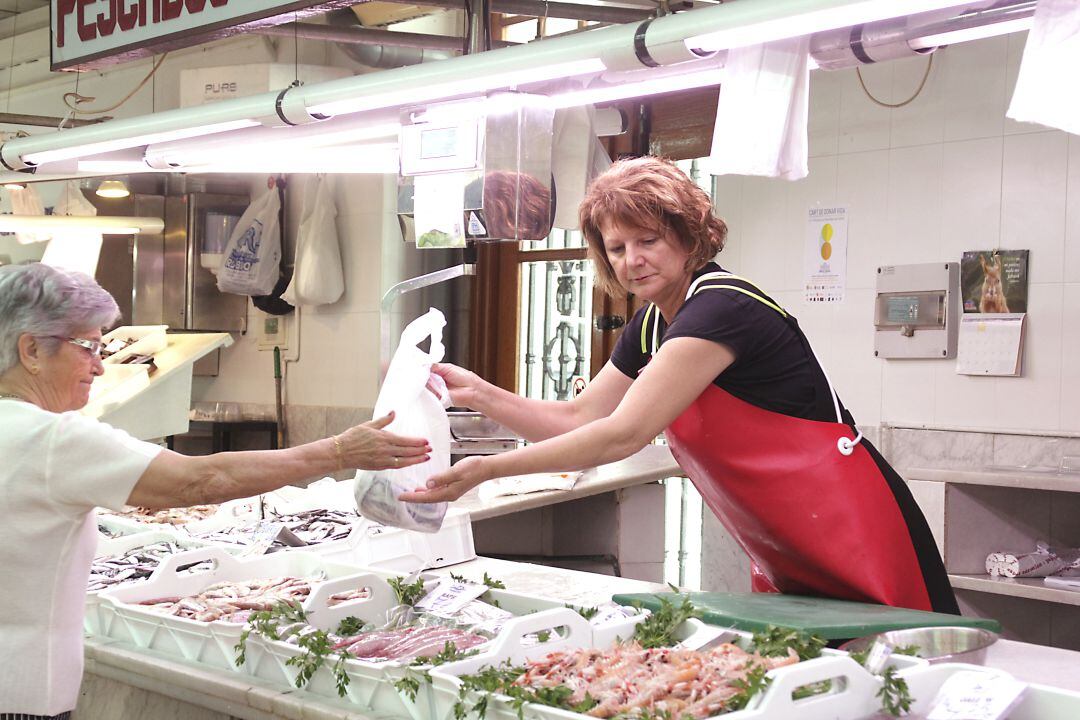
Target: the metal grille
pixel 556 313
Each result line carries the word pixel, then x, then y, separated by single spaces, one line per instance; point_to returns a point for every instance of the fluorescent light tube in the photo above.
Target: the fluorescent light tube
pixel 355 159
pixel 807 17
pixel 652 86
pixel 463 86
pixel 78 151
pixel 104 224
pixel 973 33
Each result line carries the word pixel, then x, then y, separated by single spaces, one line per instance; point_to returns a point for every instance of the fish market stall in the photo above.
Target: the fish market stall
pixel 123 681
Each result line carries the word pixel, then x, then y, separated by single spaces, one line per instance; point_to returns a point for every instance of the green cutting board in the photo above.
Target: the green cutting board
pixel 831 619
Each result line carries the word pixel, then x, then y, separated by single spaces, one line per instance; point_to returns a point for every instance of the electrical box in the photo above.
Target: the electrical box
pixel 274 330
pixel 917 311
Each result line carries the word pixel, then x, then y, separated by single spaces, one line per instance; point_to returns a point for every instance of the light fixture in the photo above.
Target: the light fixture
pixel 113 189
pixel 652 86
pixel 15 186
pixel 980 32
pixel 478 83
pixel 264 142
pixel 121 143
pixel 351 159
pixel 104 224
pixel 755 23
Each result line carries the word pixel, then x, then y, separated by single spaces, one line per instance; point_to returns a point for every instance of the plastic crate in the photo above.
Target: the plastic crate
pixel 211 643
pixel 93 619
pixel 1039 702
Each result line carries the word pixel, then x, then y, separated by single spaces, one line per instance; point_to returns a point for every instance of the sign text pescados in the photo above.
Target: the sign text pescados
pixel 90 34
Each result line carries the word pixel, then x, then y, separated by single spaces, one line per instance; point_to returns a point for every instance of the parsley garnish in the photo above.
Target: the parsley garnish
pixel 775 642
pixel 658 629
pixel 407 593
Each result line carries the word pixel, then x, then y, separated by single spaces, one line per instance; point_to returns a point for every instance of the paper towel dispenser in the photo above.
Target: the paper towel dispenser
pixel 477 170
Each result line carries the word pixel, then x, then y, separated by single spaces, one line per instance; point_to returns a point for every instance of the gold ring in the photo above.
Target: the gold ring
pixel 395 459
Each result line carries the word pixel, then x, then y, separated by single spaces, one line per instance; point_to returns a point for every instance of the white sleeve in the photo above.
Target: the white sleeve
pixel 90 464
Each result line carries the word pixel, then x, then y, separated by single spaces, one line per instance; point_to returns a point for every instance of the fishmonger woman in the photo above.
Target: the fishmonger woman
pixel 750 414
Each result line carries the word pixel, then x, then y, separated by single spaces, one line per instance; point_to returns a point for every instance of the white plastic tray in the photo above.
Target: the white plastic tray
pixel 212 643
pixel 1039 702
pixel 107 545
pixel 854 687
pixel 371 685
pixel 93 620
pixel 149 339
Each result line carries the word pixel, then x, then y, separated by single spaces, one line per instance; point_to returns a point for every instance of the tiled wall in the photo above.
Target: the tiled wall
pixel 923 183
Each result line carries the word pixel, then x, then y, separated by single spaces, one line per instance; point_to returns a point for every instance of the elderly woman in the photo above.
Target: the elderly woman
pixel 750 414
pixel 58 465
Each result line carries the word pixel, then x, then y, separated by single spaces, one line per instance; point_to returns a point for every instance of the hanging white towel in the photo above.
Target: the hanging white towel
pixel 1046 90
pixel 572 161
pixel 26 201
pixel 762 112
pixel 73 249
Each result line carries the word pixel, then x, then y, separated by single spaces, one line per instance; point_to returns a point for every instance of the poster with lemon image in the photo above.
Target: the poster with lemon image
pixel 825 274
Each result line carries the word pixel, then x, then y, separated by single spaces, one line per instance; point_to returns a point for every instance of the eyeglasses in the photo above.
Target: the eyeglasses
pixel 94 347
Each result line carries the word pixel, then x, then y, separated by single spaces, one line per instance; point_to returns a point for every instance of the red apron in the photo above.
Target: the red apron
pixel 805 501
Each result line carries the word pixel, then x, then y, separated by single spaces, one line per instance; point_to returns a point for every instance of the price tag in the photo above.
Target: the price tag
pixel 973 695
pixel 608 613
pixel 266 533
pixel 450 596
pixel 878 656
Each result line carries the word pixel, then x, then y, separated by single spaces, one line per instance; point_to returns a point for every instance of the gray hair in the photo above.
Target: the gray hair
pixel 45 301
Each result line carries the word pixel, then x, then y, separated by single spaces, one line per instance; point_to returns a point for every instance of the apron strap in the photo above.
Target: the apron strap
pixel 846 446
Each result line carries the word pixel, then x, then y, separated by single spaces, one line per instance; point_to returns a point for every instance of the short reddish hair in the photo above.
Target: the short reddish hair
pixel 649 192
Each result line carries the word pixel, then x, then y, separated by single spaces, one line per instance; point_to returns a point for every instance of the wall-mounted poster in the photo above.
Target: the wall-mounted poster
pixel 825 273
pixel 994 281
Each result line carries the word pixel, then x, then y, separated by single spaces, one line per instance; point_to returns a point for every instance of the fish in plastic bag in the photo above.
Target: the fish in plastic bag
pixel 417 413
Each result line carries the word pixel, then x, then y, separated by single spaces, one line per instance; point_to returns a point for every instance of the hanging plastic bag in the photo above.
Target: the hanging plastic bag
pixel 317 277
pixel 250 263
pixel 417 413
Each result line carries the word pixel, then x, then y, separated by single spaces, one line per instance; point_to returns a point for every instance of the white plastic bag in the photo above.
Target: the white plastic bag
pixel 317 278
pixel 251 262
pixel 417 413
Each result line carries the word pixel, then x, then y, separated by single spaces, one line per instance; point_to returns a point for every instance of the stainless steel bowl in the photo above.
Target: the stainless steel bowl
pixel 935 644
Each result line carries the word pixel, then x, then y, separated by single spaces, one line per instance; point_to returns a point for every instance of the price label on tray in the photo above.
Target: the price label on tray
pixel 976 696
pixel 266 533
pixel 449 597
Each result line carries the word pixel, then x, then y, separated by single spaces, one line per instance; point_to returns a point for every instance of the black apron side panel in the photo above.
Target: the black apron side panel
pixel 939 589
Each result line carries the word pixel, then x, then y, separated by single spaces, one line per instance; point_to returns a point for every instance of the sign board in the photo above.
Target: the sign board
pixel 825 264
pixel 87 34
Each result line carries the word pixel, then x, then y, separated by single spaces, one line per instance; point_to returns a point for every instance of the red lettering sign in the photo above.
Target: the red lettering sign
pixel 63 9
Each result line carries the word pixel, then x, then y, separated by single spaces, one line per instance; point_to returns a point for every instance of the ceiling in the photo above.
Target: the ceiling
pixel 10 7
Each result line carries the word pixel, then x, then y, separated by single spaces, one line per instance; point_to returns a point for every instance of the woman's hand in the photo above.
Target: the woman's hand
pixel 369 447
pixel 452 484
pixel 464 385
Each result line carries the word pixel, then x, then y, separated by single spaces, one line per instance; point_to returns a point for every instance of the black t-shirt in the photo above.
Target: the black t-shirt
pixel 773 368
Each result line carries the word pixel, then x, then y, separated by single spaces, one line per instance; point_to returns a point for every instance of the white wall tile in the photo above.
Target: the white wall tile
pixel 338 361
pixel 912 233
pixel 1017 41
pixel 1033 201
pixel 864 125
pixel 1070 359
pixel 727 194
pixel 1072 212
pixel 908 391
pixel 974 88
pixel 863 185
pixel 852 366
pixel 963 400
pixel 763 238
pixel 823 127
pixel 971 186
pixel 1033 401
pixel 921 121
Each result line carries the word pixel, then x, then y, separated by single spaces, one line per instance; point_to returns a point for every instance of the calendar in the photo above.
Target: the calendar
pixel 991 344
